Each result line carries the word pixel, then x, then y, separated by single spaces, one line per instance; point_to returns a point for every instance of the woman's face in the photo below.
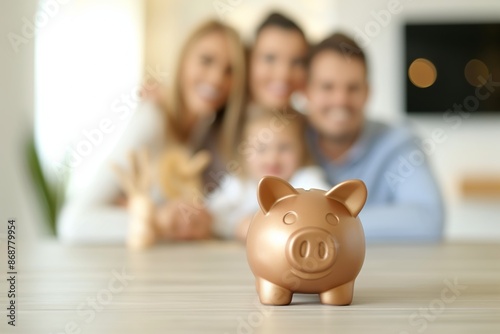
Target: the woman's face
pixel 206 74
pixel 277 66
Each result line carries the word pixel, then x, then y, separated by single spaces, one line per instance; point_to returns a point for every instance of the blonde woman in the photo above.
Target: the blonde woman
pixel 201 110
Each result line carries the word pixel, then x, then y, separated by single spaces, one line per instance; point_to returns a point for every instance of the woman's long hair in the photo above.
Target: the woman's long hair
pixel 228 119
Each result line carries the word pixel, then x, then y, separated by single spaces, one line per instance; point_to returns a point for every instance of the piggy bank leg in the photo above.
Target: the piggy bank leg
pixel 341 295
pixel 272 294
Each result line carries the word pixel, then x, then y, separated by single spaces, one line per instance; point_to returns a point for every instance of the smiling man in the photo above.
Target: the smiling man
pixel 404 201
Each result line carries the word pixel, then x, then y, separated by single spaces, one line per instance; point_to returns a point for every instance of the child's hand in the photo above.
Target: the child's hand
pixel 137 183
pixel 178 220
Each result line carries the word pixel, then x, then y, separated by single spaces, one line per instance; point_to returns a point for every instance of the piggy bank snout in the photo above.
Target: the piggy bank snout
pixel 310 250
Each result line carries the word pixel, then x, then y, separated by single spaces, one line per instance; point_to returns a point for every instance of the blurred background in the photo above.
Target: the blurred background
pixel 70 68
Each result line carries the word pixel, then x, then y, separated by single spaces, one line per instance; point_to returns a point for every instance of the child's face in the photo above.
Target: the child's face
pixel 278 153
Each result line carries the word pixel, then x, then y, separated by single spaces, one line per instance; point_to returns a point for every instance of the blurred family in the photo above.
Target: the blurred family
pixel 236 104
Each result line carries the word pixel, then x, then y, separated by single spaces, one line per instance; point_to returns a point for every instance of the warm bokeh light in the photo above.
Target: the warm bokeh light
pixel 422 73
pixel 476 72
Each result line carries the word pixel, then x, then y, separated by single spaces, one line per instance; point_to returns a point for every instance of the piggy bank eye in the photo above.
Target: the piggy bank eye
pixel 332 219
pixel 290 217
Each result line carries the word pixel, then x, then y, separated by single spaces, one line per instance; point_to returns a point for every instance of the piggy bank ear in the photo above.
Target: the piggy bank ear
pixel 271 189
pixel 351 193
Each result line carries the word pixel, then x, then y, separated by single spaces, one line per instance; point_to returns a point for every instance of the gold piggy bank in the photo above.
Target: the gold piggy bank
pixel 306 241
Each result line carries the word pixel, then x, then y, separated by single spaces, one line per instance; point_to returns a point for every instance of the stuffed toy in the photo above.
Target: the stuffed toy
pixel 179 175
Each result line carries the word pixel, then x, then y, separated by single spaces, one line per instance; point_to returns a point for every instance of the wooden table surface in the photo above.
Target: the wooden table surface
pixel 207 287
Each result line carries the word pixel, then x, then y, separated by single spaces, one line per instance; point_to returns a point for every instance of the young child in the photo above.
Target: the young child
pixel 273 144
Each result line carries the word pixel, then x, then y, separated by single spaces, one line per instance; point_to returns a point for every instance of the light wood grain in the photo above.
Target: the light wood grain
pixel 207 287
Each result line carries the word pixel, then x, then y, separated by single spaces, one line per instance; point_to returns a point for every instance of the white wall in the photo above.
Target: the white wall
pixel 16 119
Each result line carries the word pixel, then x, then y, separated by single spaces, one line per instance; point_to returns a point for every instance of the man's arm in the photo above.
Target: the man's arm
pixel 416 210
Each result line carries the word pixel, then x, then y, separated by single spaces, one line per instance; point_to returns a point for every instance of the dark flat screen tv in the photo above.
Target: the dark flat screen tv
pixel 451 66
